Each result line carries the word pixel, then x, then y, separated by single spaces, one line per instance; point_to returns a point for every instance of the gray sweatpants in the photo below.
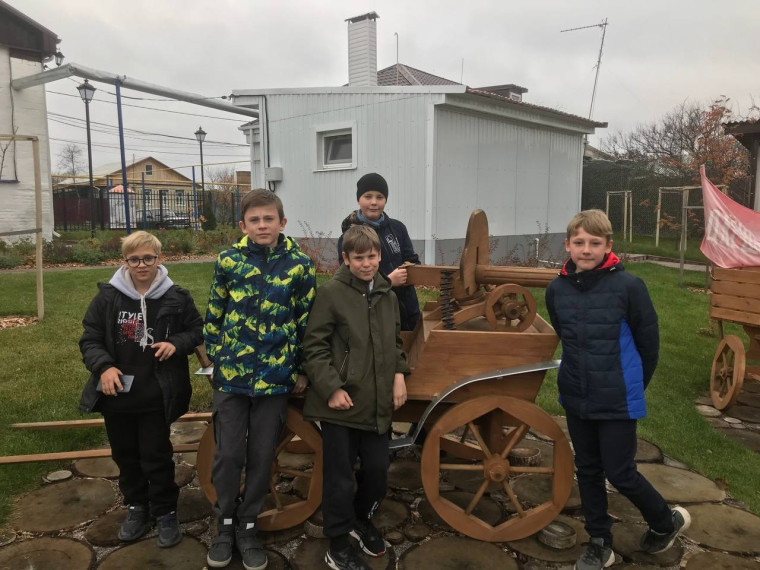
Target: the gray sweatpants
pixel 246 431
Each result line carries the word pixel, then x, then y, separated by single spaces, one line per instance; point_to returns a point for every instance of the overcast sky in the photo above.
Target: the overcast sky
pixel 657 54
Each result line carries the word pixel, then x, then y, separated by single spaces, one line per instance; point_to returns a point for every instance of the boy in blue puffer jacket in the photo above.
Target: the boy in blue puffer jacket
pixel 258 306
pixel 610 344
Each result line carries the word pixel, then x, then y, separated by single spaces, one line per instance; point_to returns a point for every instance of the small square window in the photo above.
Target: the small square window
pixel 180 196
pixel 148 170
pixel 336 146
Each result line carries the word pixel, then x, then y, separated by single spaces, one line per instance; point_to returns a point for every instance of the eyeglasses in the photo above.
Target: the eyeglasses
pixel 148 260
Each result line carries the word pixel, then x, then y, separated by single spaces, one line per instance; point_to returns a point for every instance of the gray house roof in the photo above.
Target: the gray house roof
pixel 400 74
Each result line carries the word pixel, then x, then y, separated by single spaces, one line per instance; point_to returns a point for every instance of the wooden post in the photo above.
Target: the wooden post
pixel 684 207
pixel 38 224
pixel 630 214
pixel 657 224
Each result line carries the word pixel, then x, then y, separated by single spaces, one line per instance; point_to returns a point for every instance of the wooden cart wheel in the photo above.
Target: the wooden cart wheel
pixel 513 303
pixel 283 515
pixel 496 468
pixel 727 375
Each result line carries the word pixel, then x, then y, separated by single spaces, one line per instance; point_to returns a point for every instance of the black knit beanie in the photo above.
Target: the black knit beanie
pixel 371 181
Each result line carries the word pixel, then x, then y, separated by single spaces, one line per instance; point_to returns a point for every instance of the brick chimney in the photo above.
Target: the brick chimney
pixel 362 50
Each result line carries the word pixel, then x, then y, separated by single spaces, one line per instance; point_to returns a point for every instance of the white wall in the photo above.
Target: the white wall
pixel 521 174
pixel 27 110
pixel 391 132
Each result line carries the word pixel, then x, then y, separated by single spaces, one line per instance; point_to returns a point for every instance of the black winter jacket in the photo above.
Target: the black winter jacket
pixel 177 322
pixel 610 340
pixel 396 248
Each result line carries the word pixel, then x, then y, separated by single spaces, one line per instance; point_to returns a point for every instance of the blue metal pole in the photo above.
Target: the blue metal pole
pixel 144 213
pixel 123 157
pixel 195 199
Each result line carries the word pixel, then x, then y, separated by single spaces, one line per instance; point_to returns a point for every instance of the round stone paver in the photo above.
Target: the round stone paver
pixel 623 509
pixel 720 561
pixel 188 555
pixel 104 531
pixel 456 553
pixel 58 476
pixel 751 387
pixel 531 546
pixel 192 505
pixel 745 413
pixel 747 438
pixel 47 554
pixel 487 509
pixel 724 528
pixel 187 432
pixel 275 561
pixel 390 515
pixel 647 452
pixel 537 489
pixel 191 458
pixel 708 411
pixel 679 485
pixel 183 474
pixel 404 474
pixel 97 467
pixel 300 461
pixel 63 505
pixel 626 537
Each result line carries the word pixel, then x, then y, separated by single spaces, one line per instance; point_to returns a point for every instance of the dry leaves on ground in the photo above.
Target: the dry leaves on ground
pixel 12 322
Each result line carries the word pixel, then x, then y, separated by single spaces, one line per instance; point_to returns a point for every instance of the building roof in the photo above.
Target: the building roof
pixel 19 31
pixel 501 89
pixel 744 131
pixel 400 74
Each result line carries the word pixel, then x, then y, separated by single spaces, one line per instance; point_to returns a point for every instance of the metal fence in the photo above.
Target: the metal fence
pixel 641 201
pixel 160 205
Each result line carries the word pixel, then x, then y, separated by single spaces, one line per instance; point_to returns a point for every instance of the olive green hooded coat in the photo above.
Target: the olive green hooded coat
pixel 353 341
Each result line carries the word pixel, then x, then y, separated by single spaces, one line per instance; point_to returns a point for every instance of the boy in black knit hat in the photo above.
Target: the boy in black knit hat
pixel 396 245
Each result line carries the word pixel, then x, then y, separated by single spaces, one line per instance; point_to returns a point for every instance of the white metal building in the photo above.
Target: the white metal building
pixel 24 46
pixel 445 149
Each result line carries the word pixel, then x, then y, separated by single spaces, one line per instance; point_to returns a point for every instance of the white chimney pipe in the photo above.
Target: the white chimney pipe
pixel 362 50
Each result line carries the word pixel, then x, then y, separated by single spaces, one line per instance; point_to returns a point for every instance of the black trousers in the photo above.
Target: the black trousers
pixel 141 448
pixel 341 446
pixel 607 448
pixel 246 431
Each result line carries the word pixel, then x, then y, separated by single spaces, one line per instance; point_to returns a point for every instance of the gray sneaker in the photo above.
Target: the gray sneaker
pixel 220 553
pixel 169 533
pixel 253 555
pixel 597 556
pixel 136 524
pixel 654 542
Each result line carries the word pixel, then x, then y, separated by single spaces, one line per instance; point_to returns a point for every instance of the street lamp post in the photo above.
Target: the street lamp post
pixel 86 91
pixel 200 135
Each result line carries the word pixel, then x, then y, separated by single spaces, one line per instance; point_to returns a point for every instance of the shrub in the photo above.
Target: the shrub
pixel 178 241
pixel 9 260
pixel 87 254
pixel 56 251
pixel 208 220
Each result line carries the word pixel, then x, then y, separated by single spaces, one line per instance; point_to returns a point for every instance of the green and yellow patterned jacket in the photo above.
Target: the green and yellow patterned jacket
pixel 256 319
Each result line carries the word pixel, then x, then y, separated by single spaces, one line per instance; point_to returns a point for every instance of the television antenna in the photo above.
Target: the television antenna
pixel 602 25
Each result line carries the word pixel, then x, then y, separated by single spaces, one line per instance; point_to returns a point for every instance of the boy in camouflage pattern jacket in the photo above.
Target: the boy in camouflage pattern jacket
pixel 259 301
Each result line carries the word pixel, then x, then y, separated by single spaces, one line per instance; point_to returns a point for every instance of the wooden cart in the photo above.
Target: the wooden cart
pixel 735 298
pixel 479 356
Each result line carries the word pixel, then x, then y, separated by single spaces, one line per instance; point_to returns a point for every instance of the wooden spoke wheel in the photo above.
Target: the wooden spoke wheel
pixel 512 304
pixel 283 515
pixel 496 468
pixel 727 375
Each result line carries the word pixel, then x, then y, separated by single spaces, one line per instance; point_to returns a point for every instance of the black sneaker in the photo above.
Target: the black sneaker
pixel 254 557
pixel 136 524
pixel 169 533
pixel 654 542
pixel 370 539
pixel 345 559
pixel 597 556
pixel 220 553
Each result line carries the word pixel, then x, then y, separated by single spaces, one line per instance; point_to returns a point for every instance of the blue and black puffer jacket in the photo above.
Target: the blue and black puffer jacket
pixel 257 313
pixel 610 340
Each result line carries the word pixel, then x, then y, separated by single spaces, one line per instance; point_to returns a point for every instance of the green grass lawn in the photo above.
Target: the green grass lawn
pixel 41 375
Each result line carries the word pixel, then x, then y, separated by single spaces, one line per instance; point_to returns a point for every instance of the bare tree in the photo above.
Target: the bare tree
pixel 681 140
pixel 220 186
pixel 70 161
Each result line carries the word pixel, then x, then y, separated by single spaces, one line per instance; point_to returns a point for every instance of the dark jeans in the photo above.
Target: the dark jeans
pixel 340 447
pixel 607 448
pixel 141 448
pixel 246 431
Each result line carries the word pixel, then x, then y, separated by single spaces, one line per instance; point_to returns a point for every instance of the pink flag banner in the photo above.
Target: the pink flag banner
pixel 732 232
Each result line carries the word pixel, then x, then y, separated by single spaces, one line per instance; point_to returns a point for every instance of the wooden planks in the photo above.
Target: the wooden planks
pixel 736 295
pixel 82 454
pixel 65 424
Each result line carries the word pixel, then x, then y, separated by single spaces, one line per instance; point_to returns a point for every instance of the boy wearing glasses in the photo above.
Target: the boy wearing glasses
pixel 138 331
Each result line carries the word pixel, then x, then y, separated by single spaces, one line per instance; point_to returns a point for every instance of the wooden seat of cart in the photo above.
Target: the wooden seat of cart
pixel 735 298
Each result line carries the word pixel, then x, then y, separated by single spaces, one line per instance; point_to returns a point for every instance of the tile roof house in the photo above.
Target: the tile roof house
pixel 444 148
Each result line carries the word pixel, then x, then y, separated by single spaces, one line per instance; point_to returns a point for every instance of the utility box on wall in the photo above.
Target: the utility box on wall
pixel 273 174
